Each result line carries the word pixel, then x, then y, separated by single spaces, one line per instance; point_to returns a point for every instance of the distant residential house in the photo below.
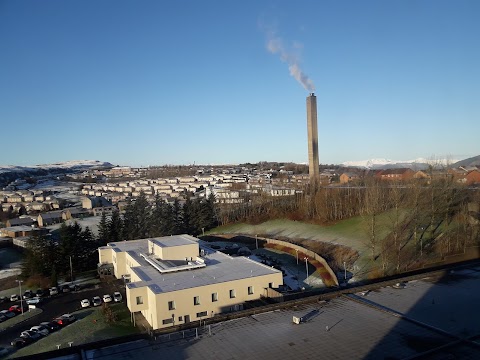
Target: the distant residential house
pixel 14 199
pixel 19 221
pixel 421 175
pixel 347 177
pixel 91 202
pixel 473 177
pixel 401 174
pixel 74 213
pixel 36 206
pixel 21 230
pixel 107 210
pixel 49 218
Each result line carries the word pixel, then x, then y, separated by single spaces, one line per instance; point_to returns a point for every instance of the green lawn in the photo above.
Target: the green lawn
pixel 352 232
pixel 89 327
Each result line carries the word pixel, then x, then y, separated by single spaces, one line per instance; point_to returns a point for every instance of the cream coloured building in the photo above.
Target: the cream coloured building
pixel 178 279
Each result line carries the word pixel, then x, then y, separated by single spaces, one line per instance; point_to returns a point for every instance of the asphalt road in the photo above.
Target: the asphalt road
pixel 57 305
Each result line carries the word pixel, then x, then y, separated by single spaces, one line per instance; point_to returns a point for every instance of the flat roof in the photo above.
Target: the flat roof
pixel 219 267
pixel 430 314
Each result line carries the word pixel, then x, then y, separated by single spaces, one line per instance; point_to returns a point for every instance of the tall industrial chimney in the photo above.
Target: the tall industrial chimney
pixel 313 162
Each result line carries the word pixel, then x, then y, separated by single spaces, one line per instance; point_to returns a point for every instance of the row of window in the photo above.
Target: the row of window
pixel 180 318
pixel 196 299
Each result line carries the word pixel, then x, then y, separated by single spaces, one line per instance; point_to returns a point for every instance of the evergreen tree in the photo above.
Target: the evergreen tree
pixel 115 227
pixel 177 223
pixel 103 230
pixel 22 211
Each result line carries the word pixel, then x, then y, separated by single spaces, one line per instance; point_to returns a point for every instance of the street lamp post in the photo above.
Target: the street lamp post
pixel 345 269
pixel 71 270
pixel 256 240
pixel 296 251
pixel 306 267
pixel 21 298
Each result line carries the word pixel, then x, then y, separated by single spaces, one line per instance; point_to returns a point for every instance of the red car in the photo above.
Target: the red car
pixel 15 309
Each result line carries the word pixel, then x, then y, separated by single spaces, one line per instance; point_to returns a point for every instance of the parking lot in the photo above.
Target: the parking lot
pixel 57 305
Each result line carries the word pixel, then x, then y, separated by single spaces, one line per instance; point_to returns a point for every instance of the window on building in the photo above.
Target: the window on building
pixel 171 305
pixel 232 294
pixel 202 314
pixel 139 300
pixel 167 321
pixel 196 300
pixel 250 290
pixel 214 297
pixel 180 318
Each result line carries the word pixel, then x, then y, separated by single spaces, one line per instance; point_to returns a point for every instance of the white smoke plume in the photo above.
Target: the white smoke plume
pixel 275 46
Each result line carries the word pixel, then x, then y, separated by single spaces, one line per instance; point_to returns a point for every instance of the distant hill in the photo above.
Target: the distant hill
pixel 67 165
pixel 379 164
pixel 473 161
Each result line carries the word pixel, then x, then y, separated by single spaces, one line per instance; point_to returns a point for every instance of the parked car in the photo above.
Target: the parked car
pixel 107 298
pixel 96 301
pixel 40 329
pixel 3 351
pixel 17 309
pixel 28 294
pixel 53 291
pixel 2 318
pixel 65 288
pixel 51 326
pixel 41 292
pixel 20 342
pixel 34 301
pixel 117 297
pixel 85 303
pixel 65 319
pixel 8 314
pixel 3 299
pixel 14 297
pixel 74 287
pixel 32 335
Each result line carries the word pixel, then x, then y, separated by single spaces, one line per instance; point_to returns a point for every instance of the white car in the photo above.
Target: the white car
pixel 85 303
pixel 14 297
pixel 117 297
pixel 96 301
pixel 42 330
pixel 53 291
pixel 34 301
pixel 107 298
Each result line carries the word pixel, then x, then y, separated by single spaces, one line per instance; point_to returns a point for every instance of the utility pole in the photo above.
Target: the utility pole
pixel 21 297
pixel 306 267
pixel 71 270
pixel 296 250
pixel 256 240
pixel 345 268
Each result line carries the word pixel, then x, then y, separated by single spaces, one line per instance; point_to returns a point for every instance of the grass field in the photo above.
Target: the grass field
pixel 352 233
pixel 89 327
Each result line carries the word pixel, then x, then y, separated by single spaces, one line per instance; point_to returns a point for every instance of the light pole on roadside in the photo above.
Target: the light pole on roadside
pixel 256 240
pixel 21 298
pixel 306 267
pixel 296 251
pixel 345 269
pixel 71 270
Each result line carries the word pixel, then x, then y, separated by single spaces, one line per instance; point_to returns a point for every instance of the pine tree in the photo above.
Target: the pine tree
pixel 115 227
pixel 103 230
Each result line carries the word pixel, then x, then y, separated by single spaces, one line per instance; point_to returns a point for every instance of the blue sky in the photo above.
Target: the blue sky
pixel 177 82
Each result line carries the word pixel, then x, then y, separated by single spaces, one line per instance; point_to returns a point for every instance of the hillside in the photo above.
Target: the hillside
pixel 473 161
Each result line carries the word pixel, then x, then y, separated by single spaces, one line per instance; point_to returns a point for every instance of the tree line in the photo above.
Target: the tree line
pixel 142 219
pixel 51 256
pixel 405 224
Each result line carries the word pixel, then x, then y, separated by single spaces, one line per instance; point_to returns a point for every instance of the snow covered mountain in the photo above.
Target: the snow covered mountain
pixel 67 165
pixel 416 164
